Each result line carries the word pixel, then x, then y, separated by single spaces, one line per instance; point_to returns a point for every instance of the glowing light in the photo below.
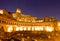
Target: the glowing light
pixel 1 11
pixel 33 28
pixel 10 29
pixel 21 29
pixel 49 36
pixel 17 28
pixel 59 24
pixel 24 29
pixel 39 21
pixel 49 29
pixel 18 10
pixel 37 28
pixel 29 28
pixel 14 15
pixel 41 28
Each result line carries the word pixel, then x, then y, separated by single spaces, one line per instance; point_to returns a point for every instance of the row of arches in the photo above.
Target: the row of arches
pixel 8 22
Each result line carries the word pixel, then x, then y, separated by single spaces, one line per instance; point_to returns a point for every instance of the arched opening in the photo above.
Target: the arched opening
pixel 1 29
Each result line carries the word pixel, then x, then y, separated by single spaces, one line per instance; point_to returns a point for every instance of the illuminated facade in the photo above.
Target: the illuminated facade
pixel 17 21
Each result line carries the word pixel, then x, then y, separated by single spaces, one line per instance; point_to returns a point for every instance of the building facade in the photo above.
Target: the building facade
pixel 17 21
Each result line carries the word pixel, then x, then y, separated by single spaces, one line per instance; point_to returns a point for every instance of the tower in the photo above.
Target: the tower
pixel 18 10
pixel 46 18
pixel 52 18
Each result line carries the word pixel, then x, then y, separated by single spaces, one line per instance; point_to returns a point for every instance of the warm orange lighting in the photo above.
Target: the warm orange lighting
pixel 20 28
pixel 37 29
pixel 24 29
pixel 33 28
pixel 41 28
pixel 10 29
pixel 14 15
pixel 29 28
pixel 18 10
pixel 39 21
pixel 17 28
pixel 58 24
pixel 49 29
pixel 1 11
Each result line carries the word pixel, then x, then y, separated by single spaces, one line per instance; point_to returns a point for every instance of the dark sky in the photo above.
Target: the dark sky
pixel 38 8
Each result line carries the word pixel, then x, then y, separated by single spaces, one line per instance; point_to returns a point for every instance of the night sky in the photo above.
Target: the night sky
pixel 38 8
